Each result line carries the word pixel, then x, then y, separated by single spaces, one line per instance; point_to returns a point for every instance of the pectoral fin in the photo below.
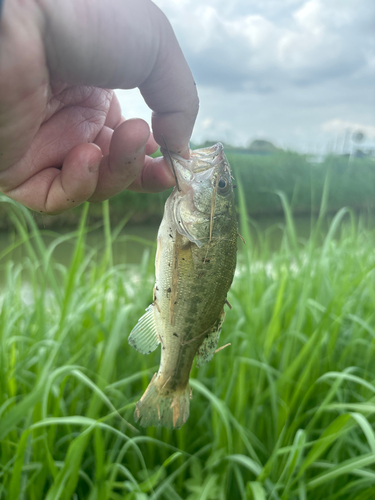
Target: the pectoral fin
pixel 144 336
pixel 207 349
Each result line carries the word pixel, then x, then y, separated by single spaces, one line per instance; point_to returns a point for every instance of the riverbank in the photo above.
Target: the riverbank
pixel 347 183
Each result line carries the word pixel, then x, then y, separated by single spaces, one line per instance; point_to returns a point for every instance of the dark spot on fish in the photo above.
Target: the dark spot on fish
pixel 169 290
pixel 73 201
pixel 170 236
pixel 178 152
pixel 175 302
pixel 175 334
pixel 135 158
pixel 156 288
pixel 67 199
pixel 234 185
pixel 183 258
pixel 169 264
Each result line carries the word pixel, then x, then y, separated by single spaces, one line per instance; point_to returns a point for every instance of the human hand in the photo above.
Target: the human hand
pixel 62 137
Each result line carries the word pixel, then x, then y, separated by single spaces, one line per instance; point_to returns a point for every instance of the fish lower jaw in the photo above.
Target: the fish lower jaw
pixel 162 406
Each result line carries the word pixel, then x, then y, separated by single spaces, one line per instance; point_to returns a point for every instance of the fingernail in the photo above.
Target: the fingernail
pixel 94 167
pixel 140 150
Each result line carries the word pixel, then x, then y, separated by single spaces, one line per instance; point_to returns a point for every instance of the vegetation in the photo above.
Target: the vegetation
pixel 353 185
pixel 285 413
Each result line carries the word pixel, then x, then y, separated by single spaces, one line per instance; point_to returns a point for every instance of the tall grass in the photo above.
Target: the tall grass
pixel 285 413
pixel 302 183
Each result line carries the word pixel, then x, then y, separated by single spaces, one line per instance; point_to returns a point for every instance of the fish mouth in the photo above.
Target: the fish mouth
pixel 207 158
pixel 200 160
pixel 196 178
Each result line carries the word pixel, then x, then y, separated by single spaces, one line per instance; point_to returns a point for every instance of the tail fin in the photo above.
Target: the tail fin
pixel 166 410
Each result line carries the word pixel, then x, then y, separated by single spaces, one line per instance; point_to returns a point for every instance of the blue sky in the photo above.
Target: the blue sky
pixel 299 73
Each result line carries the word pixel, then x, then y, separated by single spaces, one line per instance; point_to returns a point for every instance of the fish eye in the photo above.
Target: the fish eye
pixel 222 183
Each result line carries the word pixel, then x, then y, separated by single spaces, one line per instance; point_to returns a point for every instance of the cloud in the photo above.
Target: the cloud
pixel 297 72
pixel 232 48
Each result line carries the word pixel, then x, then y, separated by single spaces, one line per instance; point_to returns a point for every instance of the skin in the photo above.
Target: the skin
pixel 191 287
pixel 62 137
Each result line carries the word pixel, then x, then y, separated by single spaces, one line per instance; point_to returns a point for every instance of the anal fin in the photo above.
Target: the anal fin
pixel 208 347
pixel 144 336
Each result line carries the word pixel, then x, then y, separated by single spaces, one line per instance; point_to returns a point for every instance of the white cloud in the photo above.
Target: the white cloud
pixel 296 72
pixel 233 46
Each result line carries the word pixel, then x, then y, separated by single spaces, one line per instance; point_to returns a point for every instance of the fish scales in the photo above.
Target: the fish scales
pixel 194 267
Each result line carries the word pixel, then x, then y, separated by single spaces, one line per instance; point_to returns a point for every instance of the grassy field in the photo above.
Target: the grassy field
pixel 285 413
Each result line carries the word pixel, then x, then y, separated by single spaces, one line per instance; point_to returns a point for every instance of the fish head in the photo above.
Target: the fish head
pixel 203 197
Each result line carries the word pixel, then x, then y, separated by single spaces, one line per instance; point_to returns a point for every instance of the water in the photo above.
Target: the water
pixel 131 243
pixel 128 247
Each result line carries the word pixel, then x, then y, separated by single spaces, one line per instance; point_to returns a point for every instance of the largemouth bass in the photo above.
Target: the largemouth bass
pixel 194 267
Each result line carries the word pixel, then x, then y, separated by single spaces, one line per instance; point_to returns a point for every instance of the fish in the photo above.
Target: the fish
pixel 194 268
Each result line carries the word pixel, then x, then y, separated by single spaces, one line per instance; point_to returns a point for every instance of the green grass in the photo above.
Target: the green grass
pixel 352 184
pixel 286 412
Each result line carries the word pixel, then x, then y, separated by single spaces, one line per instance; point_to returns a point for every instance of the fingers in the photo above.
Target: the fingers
pixel 130 143
pixel 132 45
pixel 88 175
pixel 52 191
pixel 156 176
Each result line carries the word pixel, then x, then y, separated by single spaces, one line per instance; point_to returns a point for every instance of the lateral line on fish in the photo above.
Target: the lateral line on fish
pixel 213 203
pixel 172 164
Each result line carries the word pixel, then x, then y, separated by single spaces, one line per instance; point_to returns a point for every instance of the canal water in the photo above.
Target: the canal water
pixel 130 245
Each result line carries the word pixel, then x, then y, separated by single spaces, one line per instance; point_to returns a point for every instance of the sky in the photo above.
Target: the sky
pixel 298 73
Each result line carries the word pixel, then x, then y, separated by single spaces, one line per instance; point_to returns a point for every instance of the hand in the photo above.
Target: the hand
pixel 62 137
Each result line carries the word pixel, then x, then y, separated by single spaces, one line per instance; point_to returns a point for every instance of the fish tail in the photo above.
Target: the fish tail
pixel 159 407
